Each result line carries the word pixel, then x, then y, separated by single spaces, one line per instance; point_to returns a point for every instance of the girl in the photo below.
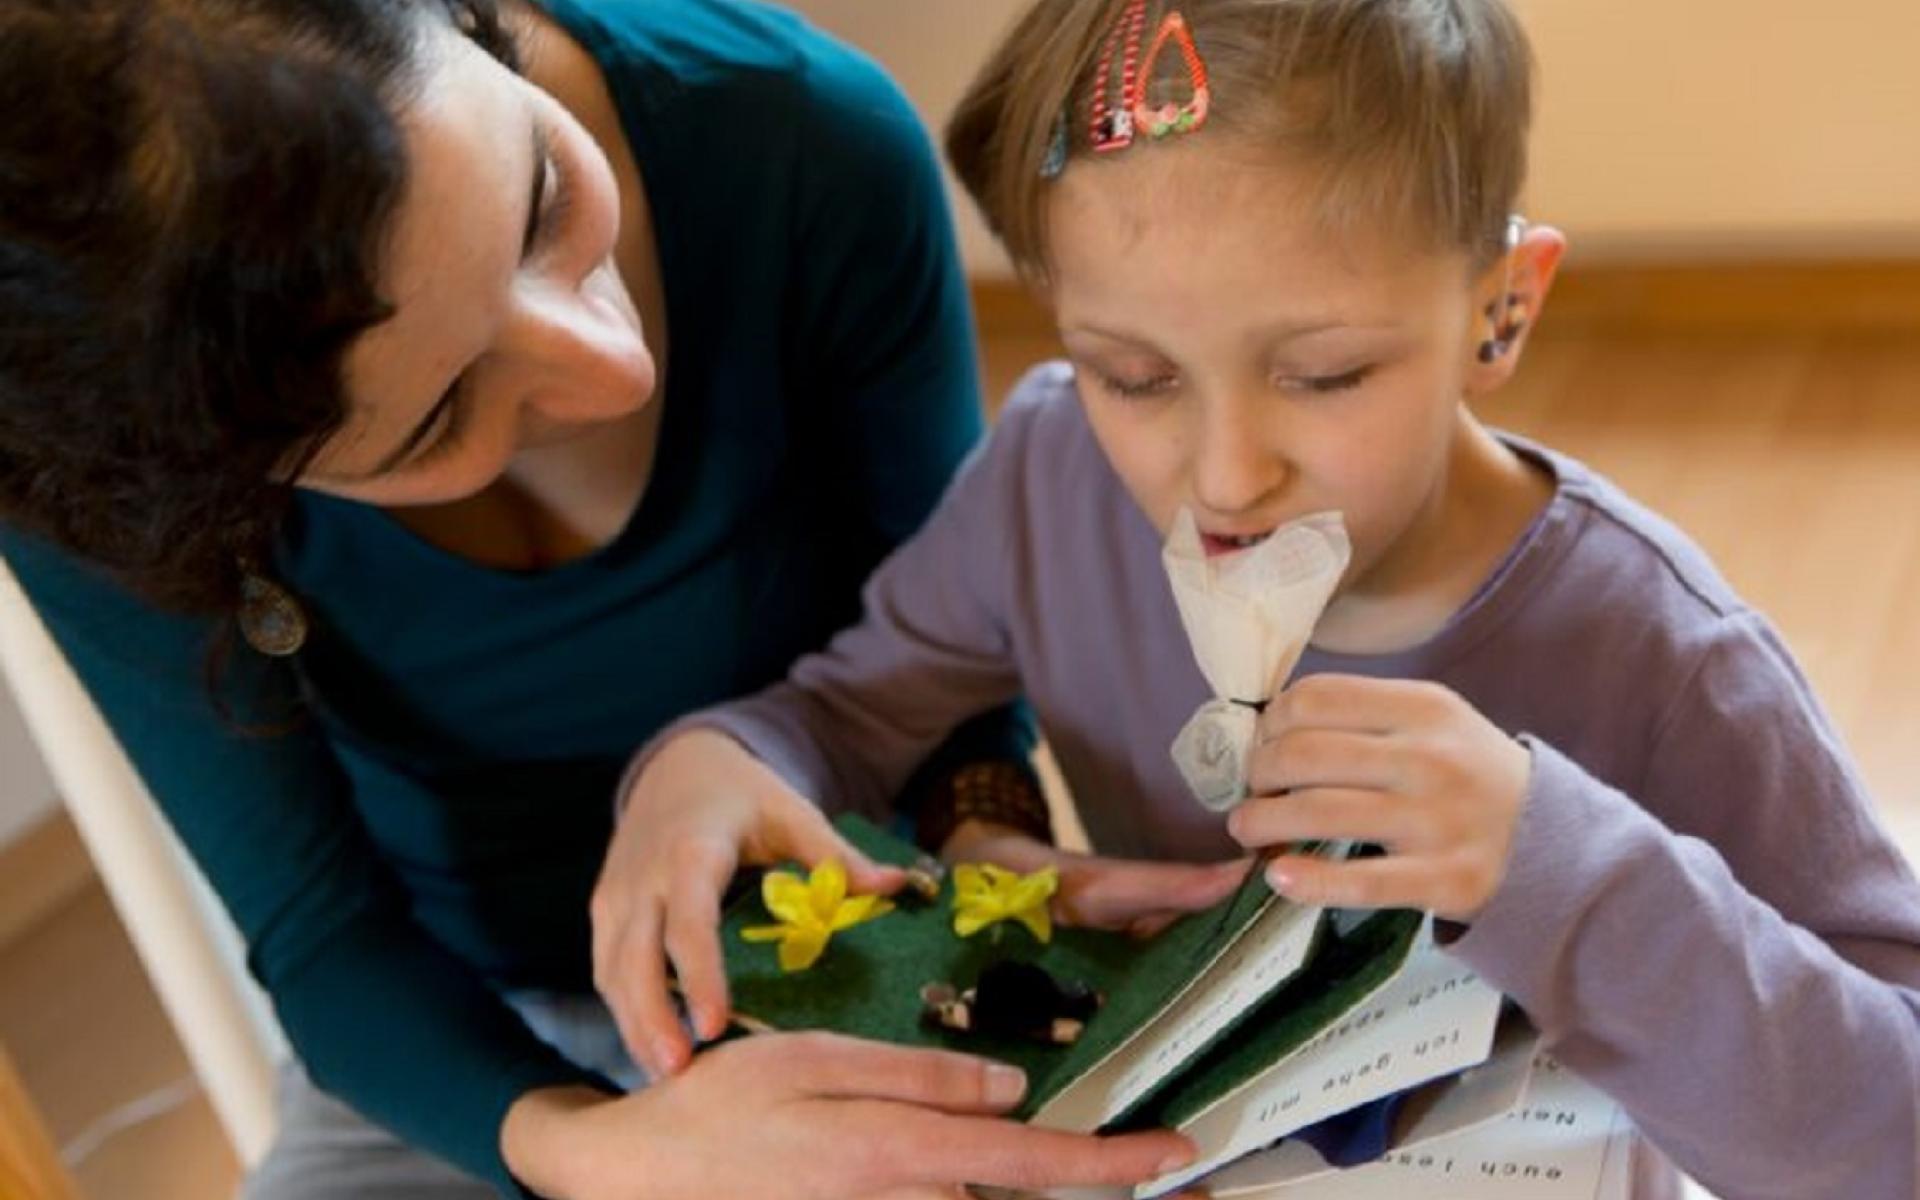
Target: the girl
pixel 1276 238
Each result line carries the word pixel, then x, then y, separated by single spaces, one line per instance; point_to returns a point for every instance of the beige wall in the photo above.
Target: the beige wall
pixel 1667 128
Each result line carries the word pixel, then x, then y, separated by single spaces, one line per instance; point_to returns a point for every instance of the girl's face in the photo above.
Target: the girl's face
pixel 1233 358
pixel 513 329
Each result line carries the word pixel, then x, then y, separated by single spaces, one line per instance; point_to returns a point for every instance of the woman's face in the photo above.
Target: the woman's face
pixel 512 327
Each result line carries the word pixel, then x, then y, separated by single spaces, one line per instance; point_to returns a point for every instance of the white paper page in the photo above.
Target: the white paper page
pixel 1272 951
pixel 1272 947
pixel 1434 1018
pixel 1081 1106
pixel 1566 1141
pixel 1443 1108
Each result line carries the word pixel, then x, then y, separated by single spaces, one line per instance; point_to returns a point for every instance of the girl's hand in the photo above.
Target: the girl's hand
pixel 1141 898
pixel 1408 765
pixel 813 1116
pixel 702 807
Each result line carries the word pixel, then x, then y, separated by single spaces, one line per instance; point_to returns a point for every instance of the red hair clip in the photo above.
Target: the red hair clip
pixel 1173 118
pixel 1113 125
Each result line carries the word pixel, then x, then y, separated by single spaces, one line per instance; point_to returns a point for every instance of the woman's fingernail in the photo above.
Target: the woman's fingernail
pixel 1005 1085
pixel 1279 879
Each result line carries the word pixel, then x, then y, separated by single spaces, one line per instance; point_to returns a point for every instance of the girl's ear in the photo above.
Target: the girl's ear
pixel 1509 297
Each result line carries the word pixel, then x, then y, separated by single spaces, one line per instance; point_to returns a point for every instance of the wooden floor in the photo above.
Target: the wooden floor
pixel 88 1036
pixel 1794 457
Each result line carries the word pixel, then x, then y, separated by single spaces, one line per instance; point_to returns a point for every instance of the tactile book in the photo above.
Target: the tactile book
pixel 1238 1026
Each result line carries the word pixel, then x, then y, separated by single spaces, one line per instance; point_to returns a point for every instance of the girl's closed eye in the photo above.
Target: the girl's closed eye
pixel 1139 389
pixel 1320 385
pixel 1136 384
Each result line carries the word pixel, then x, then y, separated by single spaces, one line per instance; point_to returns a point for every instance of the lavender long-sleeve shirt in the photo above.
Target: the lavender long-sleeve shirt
pixel 1701 913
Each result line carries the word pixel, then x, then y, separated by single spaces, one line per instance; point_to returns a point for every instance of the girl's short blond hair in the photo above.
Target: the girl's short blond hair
pixel 1410 112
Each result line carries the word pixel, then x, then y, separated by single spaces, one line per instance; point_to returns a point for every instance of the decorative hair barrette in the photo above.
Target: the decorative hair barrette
pixel 1115 120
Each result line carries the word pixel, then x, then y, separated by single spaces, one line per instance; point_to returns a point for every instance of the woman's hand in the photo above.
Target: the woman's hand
pixel 1131 895
pixel 813 1116
pixel 1408 765
pixel 702 807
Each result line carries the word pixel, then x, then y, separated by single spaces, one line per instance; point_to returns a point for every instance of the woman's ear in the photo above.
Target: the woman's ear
pixel 1509 297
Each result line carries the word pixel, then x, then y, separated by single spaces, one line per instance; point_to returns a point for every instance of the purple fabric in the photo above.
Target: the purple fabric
pixel 1702 914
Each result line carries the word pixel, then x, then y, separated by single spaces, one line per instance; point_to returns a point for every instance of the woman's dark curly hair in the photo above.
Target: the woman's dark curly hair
pixel 194 199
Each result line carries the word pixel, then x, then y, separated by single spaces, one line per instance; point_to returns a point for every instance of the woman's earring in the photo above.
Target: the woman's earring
pixel 271 620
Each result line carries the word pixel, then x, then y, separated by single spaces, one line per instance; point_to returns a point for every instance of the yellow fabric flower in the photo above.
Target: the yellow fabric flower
pixel 984 894
pixel 811 911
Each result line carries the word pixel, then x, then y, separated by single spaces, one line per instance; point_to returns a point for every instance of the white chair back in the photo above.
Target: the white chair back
pixel 189 948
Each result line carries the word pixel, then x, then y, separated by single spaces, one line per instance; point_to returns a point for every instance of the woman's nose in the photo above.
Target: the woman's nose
pixel 579 354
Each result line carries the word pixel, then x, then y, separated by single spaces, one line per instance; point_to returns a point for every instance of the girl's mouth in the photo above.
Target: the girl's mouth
pixel 1217 544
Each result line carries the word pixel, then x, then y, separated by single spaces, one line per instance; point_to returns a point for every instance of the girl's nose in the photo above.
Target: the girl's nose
pixel 1233 468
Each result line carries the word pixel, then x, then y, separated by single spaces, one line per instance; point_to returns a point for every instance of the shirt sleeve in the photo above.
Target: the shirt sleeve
pixel 1733 951
pixel 380 1014
pixel 849 723
pixel 888 339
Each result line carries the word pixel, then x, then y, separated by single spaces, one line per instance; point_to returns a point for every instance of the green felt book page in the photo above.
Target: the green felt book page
pixel 868 982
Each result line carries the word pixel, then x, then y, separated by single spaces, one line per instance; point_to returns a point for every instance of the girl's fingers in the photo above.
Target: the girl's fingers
pixel 1118 894
pixel 692 934
pixel 1354 703
pixel 812 840
pixel 641 993
pixel 1308 758
pixel 1389 882
pixel 1323 814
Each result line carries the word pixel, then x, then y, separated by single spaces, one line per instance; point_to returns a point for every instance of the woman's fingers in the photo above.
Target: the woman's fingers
pixel 830 1065
pixel 998 1153
pixel 827 1116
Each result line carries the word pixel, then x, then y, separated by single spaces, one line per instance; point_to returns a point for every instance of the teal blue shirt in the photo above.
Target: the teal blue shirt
pixel 431 834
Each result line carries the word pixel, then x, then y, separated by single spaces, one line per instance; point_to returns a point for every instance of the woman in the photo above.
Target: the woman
pixel 507 418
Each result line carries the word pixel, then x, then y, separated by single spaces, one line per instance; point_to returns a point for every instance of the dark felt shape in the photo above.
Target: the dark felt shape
pixel 1021 999
pixel 1359 1135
